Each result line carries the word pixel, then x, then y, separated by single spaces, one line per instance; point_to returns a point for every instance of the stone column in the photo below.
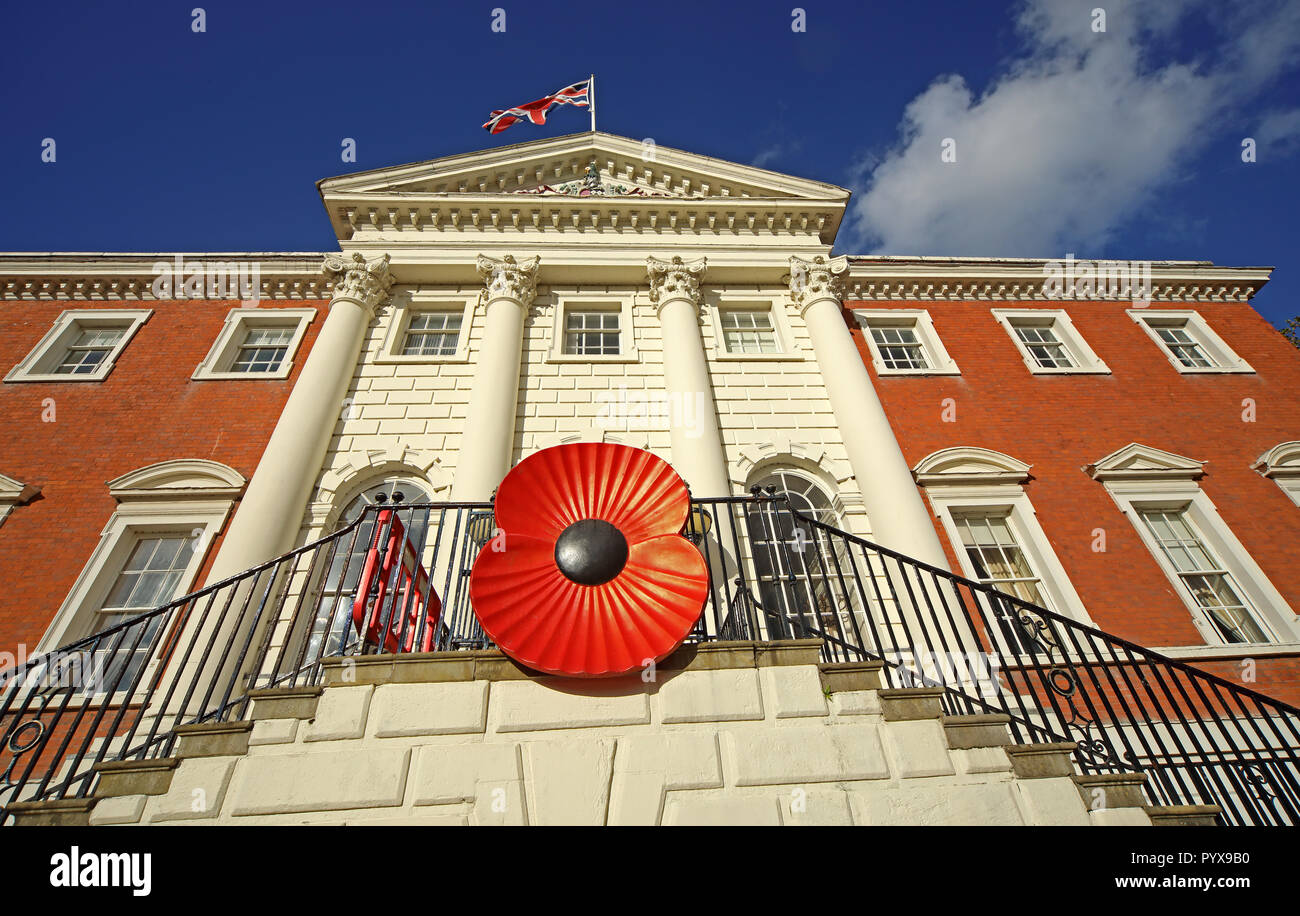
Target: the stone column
pixel 696 441
pixel 487 444
pixel 898 515
pixel 270 514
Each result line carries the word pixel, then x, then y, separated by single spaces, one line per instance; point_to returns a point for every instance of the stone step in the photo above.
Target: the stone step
pixel 980 730
pixel 1111 790
pixel 54 812
pixel 135 777
pixel 839 677
pixel 1042 761
pixel 1184 815
pixel 214 739
pixel 906 704
pixel 285 702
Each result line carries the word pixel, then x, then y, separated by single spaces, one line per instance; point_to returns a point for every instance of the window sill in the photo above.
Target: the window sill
pixel 51 377
pixel 1217 370
pixel 1087 370
pixel 389 359
pixel 760 357
pixel 278 375
pixel 915 372
pixel 582 358
pixel 1227 651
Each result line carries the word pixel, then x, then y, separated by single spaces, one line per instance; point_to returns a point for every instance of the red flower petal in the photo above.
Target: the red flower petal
pixel 545 621
pixel 635 491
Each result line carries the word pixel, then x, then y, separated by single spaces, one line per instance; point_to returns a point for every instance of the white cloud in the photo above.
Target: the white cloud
pixel 1278 133
pixel 1076 135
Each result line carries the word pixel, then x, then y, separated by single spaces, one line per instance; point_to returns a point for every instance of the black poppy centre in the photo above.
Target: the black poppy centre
pixel 591 552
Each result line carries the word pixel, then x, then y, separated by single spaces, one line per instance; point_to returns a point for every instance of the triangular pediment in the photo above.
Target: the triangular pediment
pixel 15 491
pixel 560 165
pixel 1136 461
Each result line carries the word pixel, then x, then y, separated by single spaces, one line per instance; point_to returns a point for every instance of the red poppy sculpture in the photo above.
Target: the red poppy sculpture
pixel 593 577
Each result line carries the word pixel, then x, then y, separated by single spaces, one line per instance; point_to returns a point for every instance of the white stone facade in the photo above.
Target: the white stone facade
pixel 765 745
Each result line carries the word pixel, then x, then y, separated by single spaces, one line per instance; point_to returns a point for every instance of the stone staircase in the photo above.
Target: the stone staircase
pixel 719 733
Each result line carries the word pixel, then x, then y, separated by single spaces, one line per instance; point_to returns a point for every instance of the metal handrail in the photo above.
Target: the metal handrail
pixel 774 573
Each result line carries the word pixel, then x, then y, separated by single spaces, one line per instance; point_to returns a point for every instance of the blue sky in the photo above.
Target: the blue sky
pixel 1123 143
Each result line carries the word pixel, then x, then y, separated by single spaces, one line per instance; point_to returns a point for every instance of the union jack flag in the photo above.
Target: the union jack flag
pixel 577 94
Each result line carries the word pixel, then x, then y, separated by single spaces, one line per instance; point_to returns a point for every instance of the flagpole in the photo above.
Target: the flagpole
pixel 591 99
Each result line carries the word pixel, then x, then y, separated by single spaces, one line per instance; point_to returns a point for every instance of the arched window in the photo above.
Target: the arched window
pixel 797 566
pixel 804 494
pixel 331 628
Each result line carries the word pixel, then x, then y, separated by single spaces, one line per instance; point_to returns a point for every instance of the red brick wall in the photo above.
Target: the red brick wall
pixel 147 410
pixel 1058 424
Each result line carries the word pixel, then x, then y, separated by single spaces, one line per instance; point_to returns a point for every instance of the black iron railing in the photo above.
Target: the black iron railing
pixel 373 586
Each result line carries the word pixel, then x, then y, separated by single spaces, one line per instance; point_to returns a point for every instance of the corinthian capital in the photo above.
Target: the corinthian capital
pixel 507 278
pixel 675 279
pixel 360 280
pixel 820 278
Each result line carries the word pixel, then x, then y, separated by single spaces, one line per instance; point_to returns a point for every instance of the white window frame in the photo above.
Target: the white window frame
pixel 786 348
pixel 1272 612
pixel 970 479
pixel 1225 360
pixel 1058 320
pixel 419 302
pixel 225 349
pixel 1011 501
pixel 1281 464
pixel 187 496
pixel 38 365
pixel 919 319
pixel 593 302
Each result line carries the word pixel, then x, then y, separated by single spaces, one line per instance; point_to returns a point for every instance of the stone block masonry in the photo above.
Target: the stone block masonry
pixel 710 743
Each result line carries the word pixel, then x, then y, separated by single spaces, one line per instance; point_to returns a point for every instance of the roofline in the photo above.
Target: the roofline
pixel 518 147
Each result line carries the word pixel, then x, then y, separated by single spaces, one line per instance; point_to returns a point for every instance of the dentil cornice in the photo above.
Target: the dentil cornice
pixel 820 278
pixel 355 278
pixel 675 279
pixel 508 278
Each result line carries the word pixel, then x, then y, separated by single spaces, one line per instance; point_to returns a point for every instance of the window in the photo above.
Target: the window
pixel 751 328
pixel 428 326
pixel 899 348
pixel 979 496
pixel 1230 599
pixel 1183 347
pixel 151 578
pixel 432 334
pixel 904 342
pixel 591 333
pixel 255 343
pixel 82 346
pixel 1188 342
pixel 332 627
pixel 1208 583
pixel 748 331
pixel 996 556
pixel 1048 341
pixel 91 348
pixel 796 564
pixel 997 559
pixel 591 327
pixel 168 515
pixel 1047 350
pixel 263 350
